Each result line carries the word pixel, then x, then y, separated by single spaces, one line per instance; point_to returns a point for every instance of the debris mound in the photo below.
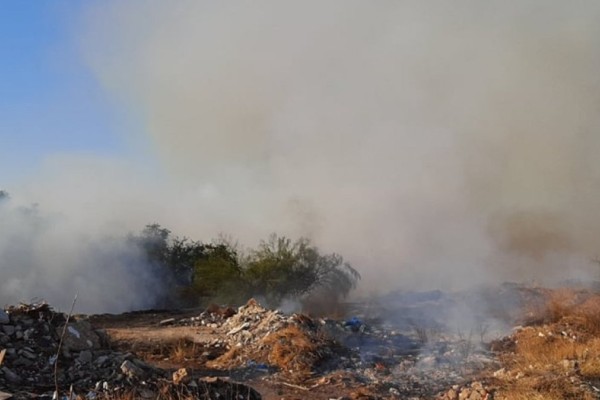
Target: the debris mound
pixel 40 349
pixel 257 336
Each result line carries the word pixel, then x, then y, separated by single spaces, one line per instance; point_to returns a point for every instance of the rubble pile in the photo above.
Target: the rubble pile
pixel 40 349
pixel 251 344
pixel 473 391
pixel 268 338
pixel 29 340
pixel 213 317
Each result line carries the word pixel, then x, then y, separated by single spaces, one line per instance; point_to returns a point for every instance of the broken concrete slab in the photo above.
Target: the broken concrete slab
pixel 79 336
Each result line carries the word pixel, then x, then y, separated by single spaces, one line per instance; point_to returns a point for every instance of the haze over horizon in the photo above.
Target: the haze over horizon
pixel 433 145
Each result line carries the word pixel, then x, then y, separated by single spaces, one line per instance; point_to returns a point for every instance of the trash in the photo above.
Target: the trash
pixel 169 321
pixel 29 351
pixel 354 323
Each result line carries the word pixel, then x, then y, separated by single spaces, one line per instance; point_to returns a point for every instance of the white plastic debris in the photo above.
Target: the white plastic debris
pixel 74 332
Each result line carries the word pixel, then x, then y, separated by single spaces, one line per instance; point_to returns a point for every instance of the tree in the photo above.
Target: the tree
pixel 218 275
pixel 196 273
pixel 280 268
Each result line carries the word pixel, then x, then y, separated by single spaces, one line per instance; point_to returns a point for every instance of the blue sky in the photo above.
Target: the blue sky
pixel 49 101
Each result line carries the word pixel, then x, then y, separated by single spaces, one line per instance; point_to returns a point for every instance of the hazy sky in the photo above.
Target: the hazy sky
pixel 430 143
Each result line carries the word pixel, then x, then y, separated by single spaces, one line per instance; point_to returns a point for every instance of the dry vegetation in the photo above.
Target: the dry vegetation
pixel 558 356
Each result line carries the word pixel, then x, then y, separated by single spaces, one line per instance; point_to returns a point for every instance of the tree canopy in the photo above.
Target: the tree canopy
pixel 279 268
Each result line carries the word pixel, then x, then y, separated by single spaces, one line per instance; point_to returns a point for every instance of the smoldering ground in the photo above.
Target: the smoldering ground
pixel 432 144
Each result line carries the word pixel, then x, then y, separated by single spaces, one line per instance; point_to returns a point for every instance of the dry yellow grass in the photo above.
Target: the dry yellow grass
pixel 564 348
pixel 183 351
pixel 291 349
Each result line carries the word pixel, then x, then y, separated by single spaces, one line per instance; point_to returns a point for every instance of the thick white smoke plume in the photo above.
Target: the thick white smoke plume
pixel 45 257
pixel 431 143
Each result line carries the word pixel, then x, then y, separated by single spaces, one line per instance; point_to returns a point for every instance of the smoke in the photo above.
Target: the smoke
pixel 432 144
pixel 42 258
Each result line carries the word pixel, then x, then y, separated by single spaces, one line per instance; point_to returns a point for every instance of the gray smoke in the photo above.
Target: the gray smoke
pixel 433 144
pixel 45 257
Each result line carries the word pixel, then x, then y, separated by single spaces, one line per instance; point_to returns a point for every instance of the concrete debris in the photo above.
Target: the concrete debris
pixel 29 352
pixel 291 344
pixel 297 351
pixel 168 321
pixel 474 391
pixel 131 370
pixel 79 336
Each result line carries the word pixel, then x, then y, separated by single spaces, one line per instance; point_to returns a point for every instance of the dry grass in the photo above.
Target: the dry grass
pixel 183 351
pixel 291 349
pixel 563 349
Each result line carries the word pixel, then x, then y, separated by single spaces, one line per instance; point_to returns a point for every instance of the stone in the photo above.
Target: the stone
pixel 28 354
pixel 85 357
pixel 464 394
pixel 131 370
pixel 475 396
pixel 4 317
pixel 79 336
pixel 181 376
pixel 8 329
pixel 5 396
pixel 10 375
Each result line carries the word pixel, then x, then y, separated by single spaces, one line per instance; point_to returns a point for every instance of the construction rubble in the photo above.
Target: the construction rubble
pixel 306 353
pixel 41 353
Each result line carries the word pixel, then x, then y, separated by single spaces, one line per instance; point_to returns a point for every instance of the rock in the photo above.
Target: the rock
pixel 85 357
pixel 475 396
pixel 28 354
pixel 8 329
pixel 181 376
pixel 4 318
pixel 169 321
pixel 10 375
pixel 5 396
pixel 79 336
pixel 464 394
pixel 131 370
